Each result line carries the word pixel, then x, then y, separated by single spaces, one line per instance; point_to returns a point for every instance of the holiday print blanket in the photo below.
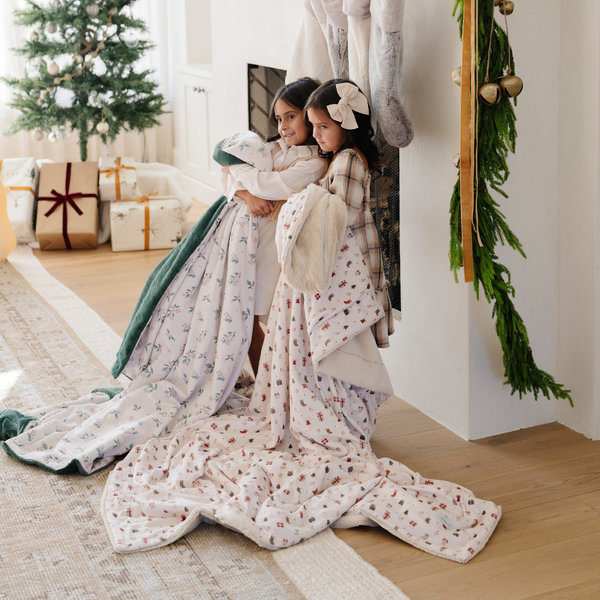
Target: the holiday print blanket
pixel 279 467
pixel 295 458
pixel 184 365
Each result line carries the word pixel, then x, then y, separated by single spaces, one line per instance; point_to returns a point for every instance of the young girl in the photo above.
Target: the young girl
pixel 339 114
pixel 191 330
pixel 296 458
pixel 296 163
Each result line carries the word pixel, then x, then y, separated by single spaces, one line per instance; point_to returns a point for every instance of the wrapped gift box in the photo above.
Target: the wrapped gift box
pixel 151 177
pixel 148 223
pixel 118 179
pixel 67 215
pixel 20 178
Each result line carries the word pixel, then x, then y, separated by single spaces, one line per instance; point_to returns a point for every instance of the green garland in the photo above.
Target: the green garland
pixel 127 97
pixel 496 136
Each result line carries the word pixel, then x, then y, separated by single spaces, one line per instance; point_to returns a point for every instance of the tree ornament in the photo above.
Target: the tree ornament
pixel 498 2
pixel 102 127
pixel 78 59
pixel 131 41
pixel 52 137
pixel 51 28
pixel 63 132
pixel 457 76
pixel 511 85
pixel 113 11
pixel 34 36
pixel 92 9
pixel 506 7
pixel 456 160
pixel 53 68
pixel 37 135
pixel 68 76
pixel 57 80
pixel 490 93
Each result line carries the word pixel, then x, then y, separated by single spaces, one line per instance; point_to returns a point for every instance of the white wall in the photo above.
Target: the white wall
pixel 260 32
pixel 579 243
pixel 445 358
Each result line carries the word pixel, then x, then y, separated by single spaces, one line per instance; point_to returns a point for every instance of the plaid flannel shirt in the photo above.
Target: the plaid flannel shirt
pixel 349 178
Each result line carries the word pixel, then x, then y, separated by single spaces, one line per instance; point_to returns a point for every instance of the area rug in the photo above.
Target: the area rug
pixel 53 543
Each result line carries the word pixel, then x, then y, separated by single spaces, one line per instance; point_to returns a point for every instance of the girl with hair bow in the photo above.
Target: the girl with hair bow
pixel 341 121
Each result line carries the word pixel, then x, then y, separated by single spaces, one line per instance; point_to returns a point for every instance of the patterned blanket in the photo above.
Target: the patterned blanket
pixel 279 467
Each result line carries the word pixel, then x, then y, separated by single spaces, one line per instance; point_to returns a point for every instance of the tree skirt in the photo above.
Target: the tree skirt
pixel 54 348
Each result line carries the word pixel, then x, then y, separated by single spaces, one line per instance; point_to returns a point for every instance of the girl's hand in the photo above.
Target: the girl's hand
pixel 257 207
pixel 224 169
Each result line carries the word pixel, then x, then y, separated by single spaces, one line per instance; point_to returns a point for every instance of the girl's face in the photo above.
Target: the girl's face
pixel 290 123
pixel 326 131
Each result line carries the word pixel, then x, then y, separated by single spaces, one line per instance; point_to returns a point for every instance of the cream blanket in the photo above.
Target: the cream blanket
pixel 311 227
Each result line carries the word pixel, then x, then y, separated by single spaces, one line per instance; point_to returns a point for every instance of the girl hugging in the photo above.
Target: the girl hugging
pixel 273 171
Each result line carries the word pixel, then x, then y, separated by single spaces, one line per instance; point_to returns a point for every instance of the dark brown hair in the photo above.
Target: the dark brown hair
pixel 296 94
pixel 360 138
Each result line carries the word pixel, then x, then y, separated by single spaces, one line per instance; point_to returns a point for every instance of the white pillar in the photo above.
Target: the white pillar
pixel 579 214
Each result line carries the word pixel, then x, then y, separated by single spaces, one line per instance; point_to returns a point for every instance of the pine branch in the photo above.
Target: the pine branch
pixel 496 137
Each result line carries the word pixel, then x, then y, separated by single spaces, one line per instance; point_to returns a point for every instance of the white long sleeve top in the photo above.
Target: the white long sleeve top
pixel 281 182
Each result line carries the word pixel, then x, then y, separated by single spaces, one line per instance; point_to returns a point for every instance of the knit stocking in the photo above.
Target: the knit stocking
pixel 359 34
pixel 337 36
pixel 310 56
pixel 385 72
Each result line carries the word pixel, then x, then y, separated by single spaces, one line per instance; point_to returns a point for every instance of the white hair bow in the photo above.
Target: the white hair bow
pixel 351 99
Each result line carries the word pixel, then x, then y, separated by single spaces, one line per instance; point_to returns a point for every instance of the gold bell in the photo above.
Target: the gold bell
pixel 497 2
pixel 456 160
pixel 457 76
pixel 506 7
pixel 490 93
pixel 511 85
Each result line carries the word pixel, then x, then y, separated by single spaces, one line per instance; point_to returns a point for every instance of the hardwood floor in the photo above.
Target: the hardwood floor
pixel 547 478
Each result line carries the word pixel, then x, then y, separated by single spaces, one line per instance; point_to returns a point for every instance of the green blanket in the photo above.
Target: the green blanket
pixel 162 275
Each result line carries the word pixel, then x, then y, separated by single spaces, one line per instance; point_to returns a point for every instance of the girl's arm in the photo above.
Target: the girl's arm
pixel 257 207
pixel 279 185
pixel 347 175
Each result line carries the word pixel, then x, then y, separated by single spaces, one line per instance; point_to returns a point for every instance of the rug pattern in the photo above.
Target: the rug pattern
pixel 53 543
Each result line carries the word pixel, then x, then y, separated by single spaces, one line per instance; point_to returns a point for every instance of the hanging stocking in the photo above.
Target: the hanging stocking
pixel 385 71
pixel 310 56
pixel 359 34
pixel 337 36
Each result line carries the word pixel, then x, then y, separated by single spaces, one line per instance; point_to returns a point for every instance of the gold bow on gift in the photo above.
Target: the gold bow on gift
pixel 15 188
pixel 146 200
pixel 115 171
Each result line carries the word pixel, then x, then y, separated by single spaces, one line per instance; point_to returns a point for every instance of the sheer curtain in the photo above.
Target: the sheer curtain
pixel 155 145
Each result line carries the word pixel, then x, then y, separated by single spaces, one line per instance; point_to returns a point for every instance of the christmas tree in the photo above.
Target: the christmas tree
pixel 80 72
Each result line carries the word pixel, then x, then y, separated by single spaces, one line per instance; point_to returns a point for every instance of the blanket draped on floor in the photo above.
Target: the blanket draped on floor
pixel 279 467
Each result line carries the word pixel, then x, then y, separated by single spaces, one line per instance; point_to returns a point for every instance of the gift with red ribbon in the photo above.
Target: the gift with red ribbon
pixel 71 221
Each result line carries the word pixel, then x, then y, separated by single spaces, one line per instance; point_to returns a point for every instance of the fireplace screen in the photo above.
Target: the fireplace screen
pixel 263 83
